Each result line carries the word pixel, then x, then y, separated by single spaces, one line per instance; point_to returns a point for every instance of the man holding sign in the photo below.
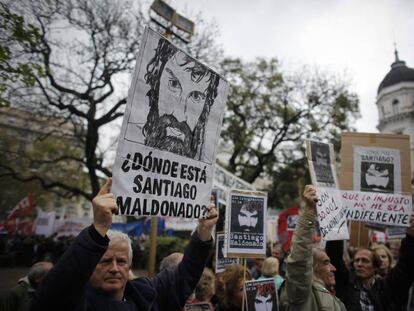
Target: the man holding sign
pixel 93 273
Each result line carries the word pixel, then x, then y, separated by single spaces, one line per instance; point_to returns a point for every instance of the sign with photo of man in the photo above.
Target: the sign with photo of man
pixel 168 143
pixel 245 224
pixel 261 295
pixel 221 255
pixel 331 211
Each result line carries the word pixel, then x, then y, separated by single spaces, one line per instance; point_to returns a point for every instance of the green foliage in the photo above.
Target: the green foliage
pixel 270 114
pixel 17 36
pixel 165 246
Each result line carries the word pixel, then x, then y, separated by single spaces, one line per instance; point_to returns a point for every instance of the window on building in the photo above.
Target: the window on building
pixel 395 108
pixel 382 111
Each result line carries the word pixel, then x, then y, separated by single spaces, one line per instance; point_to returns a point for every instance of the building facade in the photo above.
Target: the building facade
pixel 395 103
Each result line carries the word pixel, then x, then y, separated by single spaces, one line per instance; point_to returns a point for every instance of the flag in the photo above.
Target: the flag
pixel 23 208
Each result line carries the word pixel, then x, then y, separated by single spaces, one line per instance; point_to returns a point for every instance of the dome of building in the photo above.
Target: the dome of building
pixel 399 73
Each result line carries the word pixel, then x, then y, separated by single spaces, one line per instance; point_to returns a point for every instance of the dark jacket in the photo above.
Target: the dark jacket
pixel 19 298
pixel 386 294
pixel 66 286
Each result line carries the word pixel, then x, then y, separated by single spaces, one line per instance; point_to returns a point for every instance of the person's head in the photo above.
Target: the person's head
pixel 171 261
pixel 232 279
pixel 366 264
pixel 320 153
pixel 248 216
pixel 112 271
pixel 385 256
pixel 322 268
pixel 181 94
pixel 270 267
pixel 38 272
pixel 206 286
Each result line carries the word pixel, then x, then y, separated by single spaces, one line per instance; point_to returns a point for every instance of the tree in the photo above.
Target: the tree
pixel 87 50
pixel 270 114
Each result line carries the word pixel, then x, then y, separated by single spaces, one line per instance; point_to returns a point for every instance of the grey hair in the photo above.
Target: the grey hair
pixel 316 254
pixel 171 261
pixel 114 236
pixel 37 271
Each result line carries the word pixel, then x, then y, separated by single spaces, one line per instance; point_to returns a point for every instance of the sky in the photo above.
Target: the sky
pixel 352 38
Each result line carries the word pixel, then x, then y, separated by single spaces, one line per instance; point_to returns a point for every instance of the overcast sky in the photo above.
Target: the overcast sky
pixel 354 37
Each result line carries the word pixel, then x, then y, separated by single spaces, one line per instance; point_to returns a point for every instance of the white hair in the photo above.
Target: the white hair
pixel 114 236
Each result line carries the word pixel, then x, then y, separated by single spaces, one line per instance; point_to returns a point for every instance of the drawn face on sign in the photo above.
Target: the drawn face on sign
pixel 247 217
pixel 182 93
pixel 263 303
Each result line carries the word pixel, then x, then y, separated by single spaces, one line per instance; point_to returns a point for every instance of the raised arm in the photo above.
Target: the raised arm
pixel 175 286
pixel 299 272
pixel 63 287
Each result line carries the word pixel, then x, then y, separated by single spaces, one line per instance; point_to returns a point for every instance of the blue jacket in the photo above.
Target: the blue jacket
pixel 66 286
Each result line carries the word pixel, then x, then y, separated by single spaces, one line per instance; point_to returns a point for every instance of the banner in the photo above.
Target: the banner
pixel 23 208
pixel 167 148
pixel 381 208
pixel 45 223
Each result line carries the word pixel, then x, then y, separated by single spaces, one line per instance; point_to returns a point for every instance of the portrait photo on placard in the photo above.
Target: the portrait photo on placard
pixel 321 161
pixel 245 225
pixel 261 295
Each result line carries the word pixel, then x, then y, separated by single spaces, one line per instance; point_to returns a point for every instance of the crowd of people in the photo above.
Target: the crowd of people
pixel 95 272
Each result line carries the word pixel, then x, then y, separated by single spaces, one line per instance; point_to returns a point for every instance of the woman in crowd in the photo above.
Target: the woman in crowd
pixel 270 269
pixel 386 259
pixel 233 283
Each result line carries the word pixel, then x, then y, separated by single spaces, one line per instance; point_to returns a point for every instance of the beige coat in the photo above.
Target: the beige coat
pixel 301 290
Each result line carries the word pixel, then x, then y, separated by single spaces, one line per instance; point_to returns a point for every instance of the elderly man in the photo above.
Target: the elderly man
pixel 93 273
pixel 309 276
pixel 361 289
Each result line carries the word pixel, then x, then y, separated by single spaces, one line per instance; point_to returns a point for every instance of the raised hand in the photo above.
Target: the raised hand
pixel 205 226
pixel 104 205
pixel 310 197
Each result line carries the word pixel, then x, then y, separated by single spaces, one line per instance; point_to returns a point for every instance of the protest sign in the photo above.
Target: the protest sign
pixel 221 255
pixel 45 223
pixel 261 295
pixel 381 208
pixel 374 163
pixel 245 234
pixel 331 212
pixel 167 148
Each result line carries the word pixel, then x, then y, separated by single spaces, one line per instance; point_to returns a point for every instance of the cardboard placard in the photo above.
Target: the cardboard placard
pixel 355 151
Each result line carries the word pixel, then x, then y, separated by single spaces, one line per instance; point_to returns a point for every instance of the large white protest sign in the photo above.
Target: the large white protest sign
pixel 382 208
pixel 167 147
pixel 331 212
pixel 245 234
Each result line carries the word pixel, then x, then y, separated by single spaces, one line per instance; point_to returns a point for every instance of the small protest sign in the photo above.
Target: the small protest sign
pixel 167 148
pixel 331 213
pixel 261 295
pixel 221 255
pixel 245 224
pixel 377 169
pixel 382 208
